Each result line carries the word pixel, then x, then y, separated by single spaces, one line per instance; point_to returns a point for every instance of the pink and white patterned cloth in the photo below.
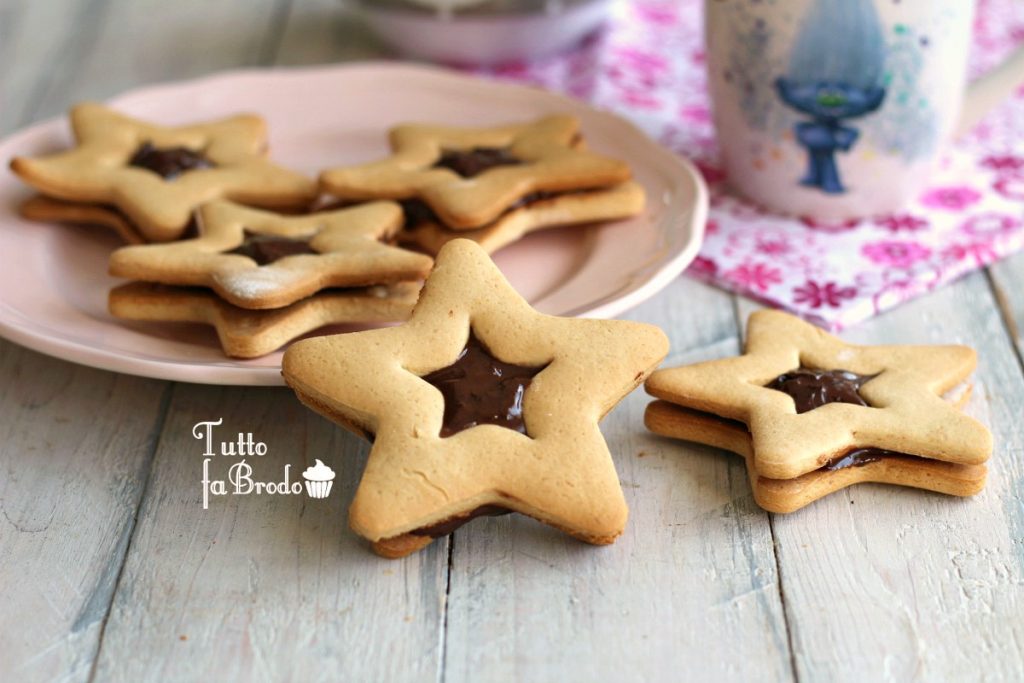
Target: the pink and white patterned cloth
pixel 648 65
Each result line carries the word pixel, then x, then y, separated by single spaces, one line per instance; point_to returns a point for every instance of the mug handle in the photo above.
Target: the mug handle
pixel 984 93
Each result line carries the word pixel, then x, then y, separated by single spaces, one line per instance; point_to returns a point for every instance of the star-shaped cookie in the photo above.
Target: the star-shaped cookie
pixel 478 404
pixel 259 259
pixel 813 414
pixel 576 208
pixel 470 176
pixel 158 175
pixel 250 334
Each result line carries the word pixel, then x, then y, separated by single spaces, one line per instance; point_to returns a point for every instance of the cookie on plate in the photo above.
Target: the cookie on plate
pixel 812 414
pixel 249 334
pixel 478 405
pixel 156 176
pixel 258 259
pixel 471 176
pixel 536 212
pixel 43 209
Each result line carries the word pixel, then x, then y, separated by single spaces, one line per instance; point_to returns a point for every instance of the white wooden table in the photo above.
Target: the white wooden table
pixel 110 569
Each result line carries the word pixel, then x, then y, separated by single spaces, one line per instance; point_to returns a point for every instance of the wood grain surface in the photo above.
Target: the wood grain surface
pixel 111 570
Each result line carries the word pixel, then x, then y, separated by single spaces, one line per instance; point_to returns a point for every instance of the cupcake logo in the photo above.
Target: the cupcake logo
pixel 319 480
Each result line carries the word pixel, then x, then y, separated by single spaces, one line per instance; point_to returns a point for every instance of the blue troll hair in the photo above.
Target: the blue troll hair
pixel 839 41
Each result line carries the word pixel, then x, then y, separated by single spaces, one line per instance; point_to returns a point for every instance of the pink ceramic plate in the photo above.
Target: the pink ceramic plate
pixel 54 279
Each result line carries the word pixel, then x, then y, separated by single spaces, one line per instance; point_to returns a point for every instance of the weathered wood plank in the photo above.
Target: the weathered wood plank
pixel 693 577
pixel 884 583
pixel 75 449
pixel 1008 284
pixel 76 443
pixel 265 587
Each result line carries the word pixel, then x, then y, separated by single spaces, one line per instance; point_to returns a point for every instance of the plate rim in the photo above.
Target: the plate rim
pixel 234 372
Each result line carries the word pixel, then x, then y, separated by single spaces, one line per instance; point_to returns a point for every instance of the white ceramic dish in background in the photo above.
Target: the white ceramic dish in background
pixel 469 37
pixel 53 283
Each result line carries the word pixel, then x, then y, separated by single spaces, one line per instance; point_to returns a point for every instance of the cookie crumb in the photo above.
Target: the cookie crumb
pixel 183 637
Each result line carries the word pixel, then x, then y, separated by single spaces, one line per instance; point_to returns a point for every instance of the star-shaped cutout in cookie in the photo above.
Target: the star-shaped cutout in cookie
pixel 419 482
pixel 906 433
pixel 158 175
pixel 259 259
pixel 470 176
pixel 249 334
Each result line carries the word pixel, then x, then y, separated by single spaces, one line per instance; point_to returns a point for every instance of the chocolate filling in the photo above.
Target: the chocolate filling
pixel 859 457
pixel 169 162
pixel 265 249
pixel 480 389
pixel 812 388
pixel 472 162
pixel 538 196
pixel 191 229
pixel 417 212
pixel 447 526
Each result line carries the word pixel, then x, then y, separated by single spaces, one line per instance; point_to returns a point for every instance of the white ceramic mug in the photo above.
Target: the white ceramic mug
pixel 837 109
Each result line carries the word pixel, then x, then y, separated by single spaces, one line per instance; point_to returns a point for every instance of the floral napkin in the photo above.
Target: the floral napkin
pixel 648 65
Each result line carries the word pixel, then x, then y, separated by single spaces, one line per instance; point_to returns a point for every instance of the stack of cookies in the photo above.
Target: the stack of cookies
pixel 491 185
pixel 219 234
pixel 812 415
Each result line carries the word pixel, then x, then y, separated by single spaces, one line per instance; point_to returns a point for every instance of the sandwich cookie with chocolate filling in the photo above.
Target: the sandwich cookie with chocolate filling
pixel 536 212
pixel 469 177
pixel 155 176
pixel 478 405
pixel 258 259
pixel 245 333
pixel 811 414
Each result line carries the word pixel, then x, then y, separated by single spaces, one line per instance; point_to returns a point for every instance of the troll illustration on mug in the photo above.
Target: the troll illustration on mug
pixel 835 74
